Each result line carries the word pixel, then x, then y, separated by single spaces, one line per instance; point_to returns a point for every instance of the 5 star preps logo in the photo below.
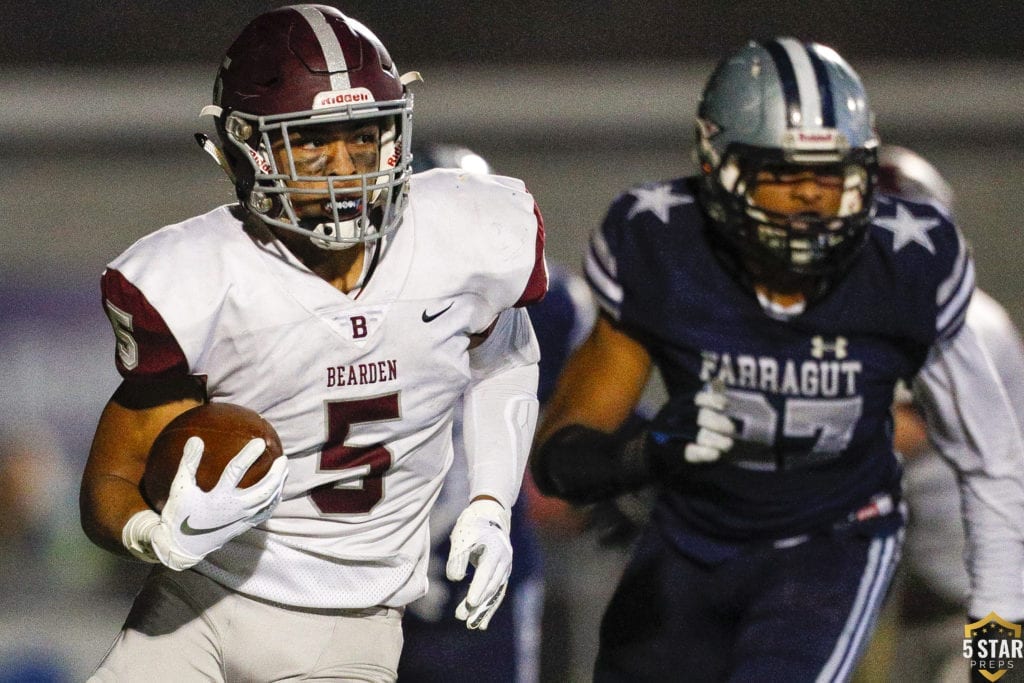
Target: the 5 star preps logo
pixel 993 646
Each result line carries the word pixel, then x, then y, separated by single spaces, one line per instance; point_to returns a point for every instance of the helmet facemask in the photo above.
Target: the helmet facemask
pixel 791 246
pixel 356 208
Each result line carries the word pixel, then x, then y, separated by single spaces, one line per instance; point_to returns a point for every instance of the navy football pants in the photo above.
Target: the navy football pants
pixel 507 652
pixel 803 613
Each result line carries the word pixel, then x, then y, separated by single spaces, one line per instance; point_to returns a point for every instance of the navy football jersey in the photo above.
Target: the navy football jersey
pixel 810 392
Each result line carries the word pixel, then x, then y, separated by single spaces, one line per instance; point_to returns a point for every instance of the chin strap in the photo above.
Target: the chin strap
pixel 214 151
pixel 410 77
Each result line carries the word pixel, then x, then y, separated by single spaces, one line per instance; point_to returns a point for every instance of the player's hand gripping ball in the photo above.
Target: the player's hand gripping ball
pixel 225 429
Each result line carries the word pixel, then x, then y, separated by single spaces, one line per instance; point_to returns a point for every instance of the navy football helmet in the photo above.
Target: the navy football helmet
pixel 786 106
pixel 290 72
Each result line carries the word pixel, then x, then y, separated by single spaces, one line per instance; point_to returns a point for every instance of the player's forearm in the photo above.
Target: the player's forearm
pixel 499 418
pixel 106 504
pixel 995 541
pixel 500 408
pixel 600 384
pixel 973 425
pixel 110 492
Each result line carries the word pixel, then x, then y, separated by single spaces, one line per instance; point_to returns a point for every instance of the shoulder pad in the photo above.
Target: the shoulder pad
pixel 929 252
pixel 486 229
pixel 635 221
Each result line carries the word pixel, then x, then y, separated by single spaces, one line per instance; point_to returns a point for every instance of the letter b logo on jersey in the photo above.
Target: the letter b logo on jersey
pixel 358 326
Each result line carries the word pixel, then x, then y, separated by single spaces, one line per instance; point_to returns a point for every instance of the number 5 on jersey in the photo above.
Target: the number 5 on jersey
pixel 362 468
pixel 127 347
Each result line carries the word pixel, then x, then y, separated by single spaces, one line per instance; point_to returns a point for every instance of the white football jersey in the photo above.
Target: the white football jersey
pixel 360 388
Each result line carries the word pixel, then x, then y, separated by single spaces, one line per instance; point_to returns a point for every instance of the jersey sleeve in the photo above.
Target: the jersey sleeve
pixel 645 241
pixel 601 263
pixel 935 271
pixel 518 243
pixel 954 292
pixel 537 283
pixel 163 296
pixel 971 416
pixel 145 347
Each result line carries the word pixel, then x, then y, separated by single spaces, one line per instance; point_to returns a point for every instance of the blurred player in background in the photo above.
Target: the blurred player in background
pixel 353 305
pixel 782 300
pixel 34 472
pixel 933 586
pixel 437 645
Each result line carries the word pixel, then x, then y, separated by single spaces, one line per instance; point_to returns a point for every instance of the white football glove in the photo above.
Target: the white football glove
pixel 715 431
pixel 481 536
pixel 194 522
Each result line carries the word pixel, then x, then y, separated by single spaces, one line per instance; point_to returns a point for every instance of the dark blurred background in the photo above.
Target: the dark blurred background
pixel 524 32
pixel 581 99
pixel 98 103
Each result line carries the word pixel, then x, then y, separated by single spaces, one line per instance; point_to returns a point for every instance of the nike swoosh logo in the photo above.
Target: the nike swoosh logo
pixel 190 530
pixel 428 318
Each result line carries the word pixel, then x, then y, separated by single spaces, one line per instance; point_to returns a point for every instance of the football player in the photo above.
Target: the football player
pixel 354 305
pixel 782 300
pixel 438 646
pixel 934 585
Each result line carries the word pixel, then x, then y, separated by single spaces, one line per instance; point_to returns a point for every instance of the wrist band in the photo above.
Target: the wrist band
pixel 137 535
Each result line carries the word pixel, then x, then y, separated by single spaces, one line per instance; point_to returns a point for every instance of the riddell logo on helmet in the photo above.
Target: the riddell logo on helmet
pixel 335 98
pixel 396 155
pixel 825 136
pixel 259 160
pixel 811 140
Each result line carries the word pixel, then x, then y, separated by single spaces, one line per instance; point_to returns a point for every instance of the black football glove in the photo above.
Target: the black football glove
pixel 690 429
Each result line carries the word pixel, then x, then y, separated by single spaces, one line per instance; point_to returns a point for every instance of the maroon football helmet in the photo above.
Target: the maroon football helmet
pixel 295 70
pixel 908 175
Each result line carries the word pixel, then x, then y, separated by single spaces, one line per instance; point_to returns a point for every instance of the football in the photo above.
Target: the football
pixel 224 428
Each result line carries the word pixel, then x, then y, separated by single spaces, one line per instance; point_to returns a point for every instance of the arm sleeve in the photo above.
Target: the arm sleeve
pixel 500 408
pixel 973 424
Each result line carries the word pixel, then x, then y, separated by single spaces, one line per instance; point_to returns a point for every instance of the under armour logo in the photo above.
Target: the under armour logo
pixel 819 347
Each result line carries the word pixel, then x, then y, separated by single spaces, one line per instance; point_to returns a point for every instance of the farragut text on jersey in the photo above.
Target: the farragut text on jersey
pixel 826 378
pixel 362 373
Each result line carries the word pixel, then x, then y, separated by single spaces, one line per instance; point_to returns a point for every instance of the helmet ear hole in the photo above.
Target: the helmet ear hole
pixel 238 128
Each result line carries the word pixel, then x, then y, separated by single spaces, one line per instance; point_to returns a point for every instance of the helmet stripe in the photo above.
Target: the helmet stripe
pixel 329 45
pixel 828 112
pixel 809 97
pixel 787 77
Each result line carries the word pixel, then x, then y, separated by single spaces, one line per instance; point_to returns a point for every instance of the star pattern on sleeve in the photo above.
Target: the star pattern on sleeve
pixel 658 199
pixel 907 228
